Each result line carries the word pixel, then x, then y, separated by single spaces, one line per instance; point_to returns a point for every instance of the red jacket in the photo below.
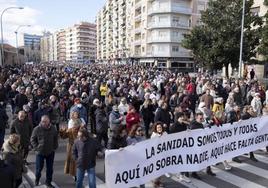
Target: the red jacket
pixel 131 119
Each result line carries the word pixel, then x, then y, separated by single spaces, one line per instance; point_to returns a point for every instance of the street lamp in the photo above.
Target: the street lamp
pixel 2 37
pixel 241 42
pixel 17 47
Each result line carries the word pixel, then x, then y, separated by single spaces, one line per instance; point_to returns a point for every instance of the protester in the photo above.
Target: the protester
pixel 80 108
pixel 3 124
pixel 45 142
pixel 115 120
pixel 22 126
pixel 198 124
pixel 75 120
pixel 101 124
pixel 118 139
pixel 7 174
pixel 158 131
pixel 181 124
pixel 84 152
pixel 132 118
pixel 13 156
pixel 70 133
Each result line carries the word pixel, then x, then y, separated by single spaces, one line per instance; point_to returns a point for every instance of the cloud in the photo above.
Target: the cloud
pixel 13 18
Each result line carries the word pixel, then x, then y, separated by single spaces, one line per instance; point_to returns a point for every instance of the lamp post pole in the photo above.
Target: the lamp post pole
pixel 17 46
pixel 241 42
pixel 2 35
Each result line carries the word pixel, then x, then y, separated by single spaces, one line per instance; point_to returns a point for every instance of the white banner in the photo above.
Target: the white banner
pixel 187 151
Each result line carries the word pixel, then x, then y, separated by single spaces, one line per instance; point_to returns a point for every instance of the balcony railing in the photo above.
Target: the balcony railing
pixel 168 39
pixel 171 9
pixel 182 25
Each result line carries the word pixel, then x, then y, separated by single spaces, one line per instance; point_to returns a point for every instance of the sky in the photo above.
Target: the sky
pixel 46 15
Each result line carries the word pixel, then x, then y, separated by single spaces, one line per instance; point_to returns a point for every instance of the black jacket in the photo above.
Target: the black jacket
pixel 101 121
pixel 196 125
pixel 116 142
pixel 7 174
pixel 178 127
pixel 3 119
pixel 24 129
pixel 84 153
pixel 162 116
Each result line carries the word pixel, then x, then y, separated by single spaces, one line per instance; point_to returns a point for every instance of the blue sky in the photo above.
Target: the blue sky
pixel 50 15
pixel 61 13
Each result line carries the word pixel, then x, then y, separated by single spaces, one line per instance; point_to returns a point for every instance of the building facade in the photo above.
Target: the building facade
pixel 76 44
pixel 31 44
pixel 151 32
pixel 81 42
pixel 48 47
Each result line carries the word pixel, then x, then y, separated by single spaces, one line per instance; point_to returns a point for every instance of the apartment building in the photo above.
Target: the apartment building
pixel 81 42
pixel 48 46
pixel 76 44
pixel 31 45
pixel 61 45
pixel 150 32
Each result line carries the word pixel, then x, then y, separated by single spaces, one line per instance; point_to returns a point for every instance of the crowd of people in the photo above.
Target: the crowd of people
pixel 100 107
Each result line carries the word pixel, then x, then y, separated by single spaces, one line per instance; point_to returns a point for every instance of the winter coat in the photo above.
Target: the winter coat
pixel 3 119
pixel 70 164
pixel 12 155
pixel 24 129
pixel 81 110
pixel 256 105
pixel 148 114
pixel 101 121
pixel 114 120
pixel 38 115
pixel 178 127
pixel 162 116
pixel 7 174
pixel 44 141
pixel 196 125
pixel 132 119
pixel 116 142
pixel 55 113
pixel 84 153
pixel 20 100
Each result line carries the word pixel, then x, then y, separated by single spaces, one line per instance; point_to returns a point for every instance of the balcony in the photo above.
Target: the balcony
pixel 138 30
pixel 171 9
pixel 138 18
pixel 168 39
pixel 155 25
pixel 137 42
pixel 138 4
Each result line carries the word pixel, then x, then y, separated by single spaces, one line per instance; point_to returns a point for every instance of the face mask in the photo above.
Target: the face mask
pixel 79 105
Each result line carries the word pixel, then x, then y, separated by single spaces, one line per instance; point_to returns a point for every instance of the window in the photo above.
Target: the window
pixel 162 34
pixel 175 48
pixel 175 21
pixel 255 11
